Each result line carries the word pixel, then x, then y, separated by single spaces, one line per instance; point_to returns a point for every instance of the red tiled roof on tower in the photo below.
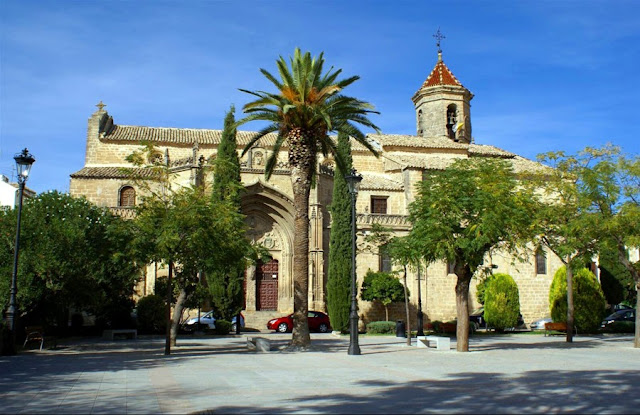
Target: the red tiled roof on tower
pixel 441 75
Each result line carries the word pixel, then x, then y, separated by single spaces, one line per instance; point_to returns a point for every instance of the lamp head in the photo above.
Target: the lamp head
pixel 24 160
pixel 353 181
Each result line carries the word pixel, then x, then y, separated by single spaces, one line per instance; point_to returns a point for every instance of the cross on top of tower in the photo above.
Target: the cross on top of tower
pixel 439 36
pixel 100 105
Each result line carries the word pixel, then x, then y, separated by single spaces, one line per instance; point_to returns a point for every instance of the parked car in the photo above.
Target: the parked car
pixel 539 324
pixel 208 321
pixel 628 314
pixel 477 321
pixel 318 321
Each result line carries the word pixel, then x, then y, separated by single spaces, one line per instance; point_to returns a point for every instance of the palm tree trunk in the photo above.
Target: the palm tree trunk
pixel 462 307
pixel 301 162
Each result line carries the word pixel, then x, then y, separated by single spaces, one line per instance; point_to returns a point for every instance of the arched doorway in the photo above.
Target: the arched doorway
pixel 267 285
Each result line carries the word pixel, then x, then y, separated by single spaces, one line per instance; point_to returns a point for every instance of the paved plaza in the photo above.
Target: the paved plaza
pixel 502 374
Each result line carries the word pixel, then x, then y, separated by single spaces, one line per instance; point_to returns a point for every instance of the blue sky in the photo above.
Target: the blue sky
pixel 547 75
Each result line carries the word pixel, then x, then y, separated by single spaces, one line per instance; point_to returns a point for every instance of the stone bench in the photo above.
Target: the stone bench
pixel 258 344
pixel 442 343
pixel 128 333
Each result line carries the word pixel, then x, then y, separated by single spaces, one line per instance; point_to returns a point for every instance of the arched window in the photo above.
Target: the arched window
pixel 127 196
pixel 452 120
pixel 541 262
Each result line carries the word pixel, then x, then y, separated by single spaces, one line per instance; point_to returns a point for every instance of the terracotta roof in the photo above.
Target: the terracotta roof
pixel 179 135
pixel 373 181
pixel 112 173
pixel 441 75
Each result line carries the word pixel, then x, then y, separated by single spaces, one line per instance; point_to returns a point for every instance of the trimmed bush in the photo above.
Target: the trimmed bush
pixel 588 300
pixel 381 327
pixel 501 302
pixel 481 288
pixel 223 327
pixel 152 314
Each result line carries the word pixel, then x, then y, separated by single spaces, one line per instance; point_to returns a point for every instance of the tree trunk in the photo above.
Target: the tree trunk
pixel 177 314
pixel 386 312
pixel 406 306
pixel 570 319
pixel 622 255
pixel 462 307
pixel 301 161
pixel 167 343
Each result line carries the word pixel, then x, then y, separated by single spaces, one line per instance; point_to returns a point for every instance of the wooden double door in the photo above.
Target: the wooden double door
pixel 267 285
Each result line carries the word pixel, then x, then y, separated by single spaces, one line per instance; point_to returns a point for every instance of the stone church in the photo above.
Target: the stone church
pixel 443 134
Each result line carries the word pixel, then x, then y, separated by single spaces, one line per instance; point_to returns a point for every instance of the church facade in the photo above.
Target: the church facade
pixel 443 135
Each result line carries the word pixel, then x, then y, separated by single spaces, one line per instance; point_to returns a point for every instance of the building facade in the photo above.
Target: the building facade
pixel 443 135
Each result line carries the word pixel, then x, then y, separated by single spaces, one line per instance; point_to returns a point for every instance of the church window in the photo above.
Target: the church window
pixel 452 120
pixel 127 196
pixel 379 205
pixel 384 259
pixel 541 262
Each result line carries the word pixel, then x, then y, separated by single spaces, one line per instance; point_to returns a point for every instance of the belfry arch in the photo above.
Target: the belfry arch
pixel 269 218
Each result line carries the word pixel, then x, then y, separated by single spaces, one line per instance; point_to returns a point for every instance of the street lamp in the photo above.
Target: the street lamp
pixel 24 160
pixel 353 182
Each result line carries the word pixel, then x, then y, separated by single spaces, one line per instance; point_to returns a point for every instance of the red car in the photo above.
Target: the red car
pixel 317 322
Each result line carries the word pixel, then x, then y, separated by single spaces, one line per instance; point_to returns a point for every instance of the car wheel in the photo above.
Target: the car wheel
pixel 323 328
pixel 283 328
pixel 233 328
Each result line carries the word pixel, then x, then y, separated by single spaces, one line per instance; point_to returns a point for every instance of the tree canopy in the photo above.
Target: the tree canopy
pixel 463 213
pixel 73 254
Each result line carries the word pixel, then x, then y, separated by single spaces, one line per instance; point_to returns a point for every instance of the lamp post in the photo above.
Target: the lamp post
pixel 353 182
pixel 24 160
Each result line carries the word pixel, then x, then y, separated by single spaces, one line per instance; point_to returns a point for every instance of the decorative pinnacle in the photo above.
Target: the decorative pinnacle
pixel 439 36
pixel 100 105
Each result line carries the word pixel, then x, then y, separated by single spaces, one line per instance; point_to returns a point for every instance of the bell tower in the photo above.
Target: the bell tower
pixel 443 104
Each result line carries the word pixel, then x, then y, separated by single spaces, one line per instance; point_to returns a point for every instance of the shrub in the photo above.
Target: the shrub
pixel 501 302
pixel 152 316
pixel 588 300
pixel 481 288
pixel 381 327
pixel 223 327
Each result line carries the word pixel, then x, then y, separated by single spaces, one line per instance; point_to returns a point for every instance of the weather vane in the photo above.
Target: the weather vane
pixel 439 36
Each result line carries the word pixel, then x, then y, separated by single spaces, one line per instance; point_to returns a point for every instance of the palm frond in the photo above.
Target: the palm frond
pixel 266 130
pixel 273 158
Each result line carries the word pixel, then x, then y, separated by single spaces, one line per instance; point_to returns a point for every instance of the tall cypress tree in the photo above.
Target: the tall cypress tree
pixel 339 278
pixel 225 284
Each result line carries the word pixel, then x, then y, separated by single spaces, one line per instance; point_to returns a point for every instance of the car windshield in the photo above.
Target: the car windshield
pixel 478 311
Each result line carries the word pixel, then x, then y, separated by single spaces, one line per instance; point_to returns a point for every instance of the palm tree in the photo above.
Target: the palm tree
pixel 305 108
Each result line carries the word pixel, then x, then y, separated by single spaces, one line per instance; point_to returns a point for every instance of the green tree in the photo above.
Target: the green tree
pixel 502 301
pixel 463 213
pixel 73 254
pixel 339 275
pixel 611 180
pixel 180 227
pixel 305 108
pixel 591 196
pixel 226 282
pixel 383 287
pixel 588 299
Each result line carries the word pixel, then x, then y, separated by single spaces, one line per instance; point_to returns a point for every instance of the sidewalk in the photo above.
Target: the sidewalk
pixel 502 374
